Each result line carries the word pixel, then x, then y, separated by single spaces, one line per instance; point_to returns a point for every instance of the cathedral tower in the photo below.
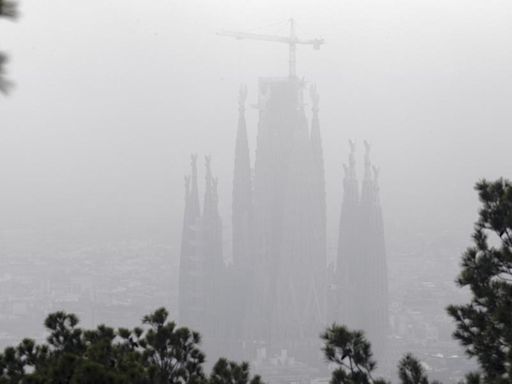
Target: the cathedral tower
pixel 361 273
pixel 346 279
pixel 289 259
pixel 375 313
pixel 190 290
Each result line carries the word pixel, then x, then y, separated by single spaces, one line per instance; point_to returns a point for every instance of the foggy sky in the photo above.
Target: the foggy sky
pixel 112 96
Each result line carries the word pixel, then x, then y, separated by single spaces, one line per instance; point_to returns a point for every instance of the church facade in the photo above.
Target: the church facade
pixel 279 293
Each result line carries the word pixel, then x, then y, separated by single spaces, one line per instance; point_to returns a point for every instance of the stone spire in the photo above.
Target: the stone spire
pixel 208 188
pixel 318 205
pixel 242 208
pixel 318 163
pixel 367 190
pixel 211 245
pixel 350 183
pixel 348 237
pixel 316 139
pixel 211 223
pixel 374 315
pixel 190 266
pixel 316 144
pixel 194 192
pixel 367 163
pixel 202 272
pixel 187 214
pixel 242 230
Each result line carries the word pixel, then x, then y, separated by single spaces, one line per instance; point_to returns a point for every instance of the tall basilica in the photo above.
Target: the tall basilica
pixel 279 294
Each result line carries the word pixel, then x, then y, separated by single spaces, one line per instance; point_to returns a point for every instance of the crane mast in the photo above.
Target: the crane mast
pixel 292 40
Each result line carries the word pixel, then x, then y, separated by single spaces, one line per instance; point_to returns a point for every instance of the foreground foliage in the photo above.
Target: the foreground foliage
pixel 9 10
pixel 159 352
pixel 484 325
pixel 352 357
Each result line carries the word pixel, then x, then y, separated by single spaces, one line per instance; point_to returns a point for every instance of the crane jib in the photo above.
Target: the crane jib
pixel 291 41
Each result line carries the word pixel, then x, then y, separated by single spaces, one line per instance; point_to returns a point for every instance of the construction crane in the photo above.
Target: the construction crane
pixel 291 40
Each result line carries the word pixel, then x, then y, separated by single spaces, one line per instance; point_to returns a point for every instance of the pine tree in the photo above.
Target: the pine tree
pixel 410 371
pixel 230 372
pixel 484 325
pixel 9 10
pixel 159 352
pixel 351 354
pixel 172 352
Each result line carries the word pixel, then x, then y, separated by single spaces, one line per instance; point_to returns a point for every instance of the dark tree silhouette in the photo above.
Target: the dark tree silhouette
pixel 171 351
pixel 484 325
pixel 158 352
pixel 410 371
pixel 352 355
pixel 230 372
pixel 9 10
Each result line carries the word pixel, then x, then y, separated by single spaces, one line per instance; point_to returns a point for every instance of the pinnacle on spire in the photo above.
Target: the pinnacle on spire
pixel 187 219
pixel 208 185
pixel 215 190
pixel 215 194
pixel 316 138
pixel 367 162
pixel 187 187
pixel 315 97
pixel 191 217
pixel 195 209
pixel 370 181
pixel 242 172
pixel 242 98
pixel 207 165
pixel 350 184
pixel 350 170
pixel 376 172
